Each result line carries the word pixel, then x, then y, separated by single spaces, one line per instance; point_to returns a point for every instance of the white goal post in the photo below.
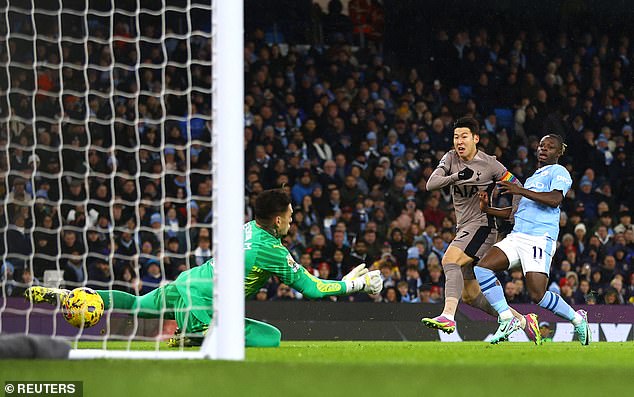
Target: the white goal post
pixel 226 340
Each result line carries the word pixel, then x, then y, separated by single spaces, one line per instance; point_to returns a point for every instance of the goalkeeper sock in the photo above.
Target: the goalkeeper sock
pixel 557 305
pixel 146 305
pixel 453 288
pixel 492 290
pixel 120 300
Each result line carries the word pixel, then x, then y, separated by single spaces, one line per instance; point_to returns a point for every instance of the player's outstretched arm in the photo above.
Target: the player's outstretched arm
pixel 551 199
pixel 504 213
pixel 438 179
pixel 362 280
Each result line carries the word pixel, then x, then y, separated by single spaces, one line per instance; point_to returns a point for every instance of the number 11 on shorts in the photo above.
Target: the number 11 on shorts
pixel 535 250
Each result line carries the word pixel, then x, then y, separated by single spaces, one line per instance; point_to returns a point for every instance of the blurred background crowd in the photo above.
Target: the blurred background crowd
pixel 346 109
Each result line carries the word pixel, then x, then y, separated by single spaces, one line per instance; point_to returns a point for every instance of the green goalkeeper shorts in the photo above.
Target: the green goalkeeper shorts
pixel 193 320
pixel 174 306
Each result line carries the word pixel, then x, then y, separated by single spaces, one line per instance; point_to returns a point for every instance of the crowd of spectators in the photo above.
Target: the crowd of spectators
pixel 354 141
pixel 350 137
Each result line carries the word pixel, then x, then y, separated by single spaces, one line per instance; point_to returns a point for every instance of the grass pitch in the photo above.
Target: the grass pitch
pixel 357 368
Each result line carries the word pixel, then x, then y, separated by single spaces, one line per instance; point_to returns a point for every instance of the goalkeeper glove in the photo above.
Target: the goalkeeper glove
pixel 356 272
pixel 369 282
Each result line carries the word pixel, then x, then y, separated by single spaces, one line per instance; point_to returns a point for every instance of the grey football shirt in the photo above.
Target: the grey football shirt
pixel 486 172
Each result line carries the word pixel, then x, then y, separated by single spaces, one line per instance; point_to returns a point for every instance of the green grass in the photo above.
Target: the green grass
pixel 357 368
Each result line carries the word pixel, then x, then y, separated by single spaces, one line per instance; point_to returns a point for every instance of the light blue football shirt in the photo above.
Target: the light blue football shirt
pixel 537 219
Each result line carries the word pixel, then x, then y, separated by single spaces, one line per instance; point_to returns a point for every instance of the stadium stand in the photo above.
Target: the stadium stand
pixel 353 138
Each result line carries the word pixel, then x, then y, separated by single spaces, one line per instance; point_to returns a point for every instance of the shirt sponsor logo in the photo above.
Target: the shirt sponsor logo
pixel 538 185
pixel 465 190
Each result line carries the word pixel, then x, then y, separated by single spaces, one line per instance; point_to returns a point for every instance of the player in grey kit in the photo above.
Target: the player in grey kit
pixel 467 171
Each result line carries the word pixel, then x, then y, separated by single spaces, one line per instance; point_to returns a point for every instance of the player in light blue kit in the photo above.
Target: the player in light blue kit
pixel 532 242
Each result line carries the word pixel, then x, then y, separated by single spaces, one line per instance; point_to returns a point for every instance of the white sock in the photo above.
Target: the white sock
pixel 448 316
pixel 577 320
pixel 522 322
pixel 506 314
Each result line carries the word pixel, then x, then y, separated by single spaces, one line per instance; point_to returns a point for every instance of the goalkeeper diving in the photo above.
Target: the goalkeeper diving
pixel 189 298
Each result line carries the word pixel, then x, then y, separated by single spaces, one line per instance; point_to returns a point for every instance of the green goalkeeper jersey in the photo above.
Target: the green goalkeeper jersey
pixel 264 256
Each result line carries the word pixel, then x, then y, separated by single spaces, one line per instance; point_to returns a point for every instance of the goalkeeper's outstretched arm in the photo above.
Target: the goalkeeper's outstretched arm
pixel 359 279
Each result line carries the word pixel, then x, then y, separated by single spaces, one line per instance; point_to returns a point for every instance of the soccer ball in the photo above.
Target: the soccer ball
pixel 83 307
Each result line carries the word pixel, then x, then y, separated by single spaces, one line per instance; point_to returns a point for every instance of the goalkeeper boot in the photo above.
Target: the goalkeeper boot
pixel 186 340
pixel 532 328
pixel 440 322
pixel 37 294
pixel 582 330
pixel 506 328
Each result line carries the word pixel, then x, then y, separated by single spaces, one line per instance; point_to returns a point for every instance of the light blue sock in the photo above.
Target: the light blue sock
pixel 491 289
pixel 557 305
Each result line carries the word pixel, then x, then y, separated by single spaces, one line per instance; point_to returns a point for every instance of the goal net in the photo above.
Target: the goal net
pixel 120 167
